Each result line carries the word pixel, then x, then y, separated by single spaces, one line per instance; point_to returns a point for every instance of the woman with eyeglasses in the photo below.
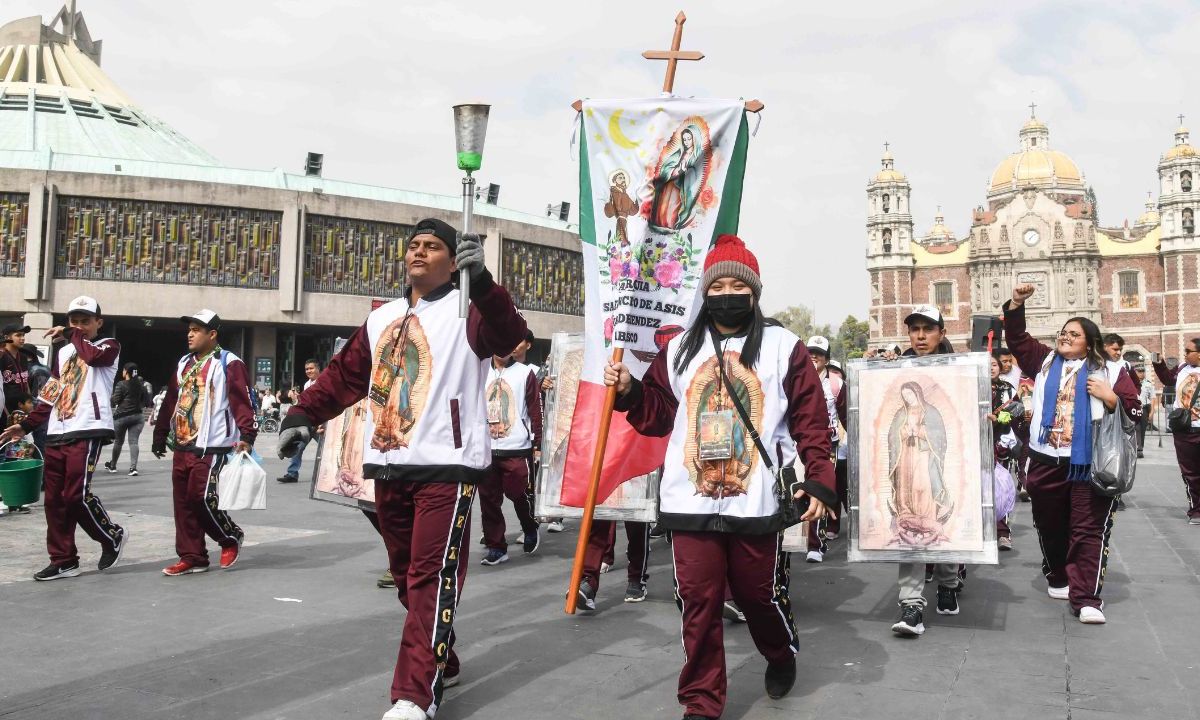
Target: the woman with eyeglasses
pixel 1186 380
pixel 1074 385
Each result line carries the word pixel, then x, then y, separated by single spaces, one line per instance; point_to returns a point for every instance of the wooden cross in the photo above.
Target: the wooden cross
pixel 674 55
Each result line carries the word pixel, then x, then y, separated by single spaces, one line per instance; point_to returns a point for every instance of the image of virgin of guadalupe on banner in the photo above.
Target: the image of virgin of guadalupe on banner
pixel 921 471
pixel 337 477
pixel 659 180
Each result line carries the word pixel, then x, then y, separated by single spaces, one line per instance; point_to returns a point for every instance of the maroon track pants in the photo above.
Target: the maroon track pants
pixel 1187 452
pixel 507 477
pixel 817 530
pixel 755 569
pixel 424 526
pixel 194 492
pixel 70 503
pixel 1073 525
pixel 602 545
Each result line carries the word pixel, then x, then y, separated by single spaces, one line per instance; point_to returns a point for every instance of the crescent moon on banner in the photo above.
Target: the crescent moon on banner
pixel 614 131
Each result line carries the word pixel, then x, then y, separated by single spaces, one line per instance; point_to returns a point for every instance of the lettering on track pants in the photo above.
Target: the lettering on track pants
pixel 194 492
pixel 424 526
pixel 67 477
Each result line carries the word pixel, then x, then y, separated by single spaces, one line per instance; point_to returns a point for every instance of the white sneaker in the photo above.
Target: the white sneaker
pixel 405 710
pixel 831 535
pixel 1062 593
pixel 1091 616
pixel 815 556
pixel 605 567
pixel 555 526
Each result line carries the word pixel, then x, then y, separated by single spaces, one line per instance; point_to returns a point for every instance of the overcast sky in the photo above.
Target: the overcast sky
pixel 370 84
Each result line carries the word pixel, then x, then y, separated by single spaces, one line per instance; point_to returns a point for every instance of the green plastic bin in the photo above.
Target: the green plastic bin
pixel 21 482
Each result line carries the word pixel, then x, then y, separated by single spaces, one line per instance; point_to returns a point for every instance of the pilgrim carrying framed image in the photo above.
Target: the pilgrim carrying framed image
pixel 337 477
pixel 920 460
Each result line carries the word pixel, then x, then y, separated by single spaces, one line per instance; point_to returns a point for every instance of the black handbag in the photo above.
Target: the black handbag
pixel 786 481
pixel 1179 420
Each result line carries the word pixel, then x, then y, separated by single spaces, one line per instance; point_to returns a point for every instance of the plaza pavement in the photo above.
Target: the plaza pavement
pixel 298 630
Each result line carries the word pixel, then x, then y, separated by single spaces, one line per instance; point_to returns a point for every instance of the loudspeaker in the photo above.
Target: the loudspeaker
pixel 980 326
pixel 493 194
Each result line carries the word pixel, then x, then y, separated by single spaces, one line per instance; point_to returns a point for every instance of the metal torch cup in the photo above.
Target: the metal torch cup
pixel 470 128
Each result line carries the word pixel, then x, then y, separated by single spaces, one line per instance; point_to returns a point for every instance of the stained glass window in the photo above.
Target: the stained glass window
pixel 178 243
pixel 545 279
pixel 354 257
pixel 14 219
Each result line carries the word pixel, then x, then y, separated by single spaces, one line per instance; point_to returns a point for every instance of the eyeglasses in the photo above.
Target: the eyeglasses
pixel 1064 334
pixel 1189 351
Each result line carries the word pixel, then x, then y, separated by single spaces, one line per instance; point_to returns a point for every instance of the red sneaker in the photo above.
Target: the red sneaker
pixel 183 567
pixel 229 556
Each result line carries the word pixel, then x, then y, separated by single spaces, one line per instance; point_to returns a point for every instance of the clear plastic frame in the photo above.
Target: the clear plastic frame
pixel 337 477
pixel 920 460
pixel 635 500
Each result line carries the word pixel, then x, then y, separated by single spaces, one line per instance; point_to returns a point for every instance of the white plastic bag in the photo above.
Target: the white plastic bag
pixel 242 485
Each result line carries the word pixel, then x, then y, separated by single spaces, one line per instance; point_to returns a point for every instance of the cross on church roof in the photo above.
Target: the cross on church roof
pixel 1032 110
pixel 1181 118
pixel 886 145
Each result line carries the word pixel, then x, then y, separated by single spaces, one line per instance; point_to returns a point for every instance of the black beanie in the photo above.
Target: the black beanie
pixel 441 230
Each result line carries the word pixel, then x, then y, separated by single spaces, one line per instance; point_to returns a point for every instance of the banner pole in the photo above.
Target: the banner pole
pixel 589 504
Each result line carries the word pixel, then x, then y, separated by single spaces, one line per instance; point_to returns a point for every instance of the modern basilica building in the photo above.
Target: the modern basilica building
pixel 100 197
pixel 1038 226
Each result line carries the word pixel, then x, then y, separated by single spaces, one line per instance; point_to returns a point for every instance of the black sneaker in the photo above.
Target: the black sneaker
pixel 657 531
pixel 587 597
pixel 531 542
pixel 494 557
pixel 56 572
pixel 947 600
pixel 928 574
pixel 109 558
pixel 110 467
pixel 287 479
pixel 911 622
pixel 780 678
pixel 733 613
pixel 133 472
pixel 635 592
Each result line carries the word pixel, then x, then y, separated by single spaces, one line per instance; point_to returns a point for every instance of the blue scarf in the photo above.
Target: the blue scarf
pixel 1081 436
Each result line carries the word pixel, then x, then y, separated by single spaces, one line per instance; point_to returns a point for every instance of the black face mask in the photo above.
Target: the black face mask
pixel 730 310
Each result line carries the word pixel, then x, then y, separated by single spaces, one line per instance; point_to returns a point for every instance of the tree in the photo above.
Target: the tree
pixel 852 338
pixel 799 319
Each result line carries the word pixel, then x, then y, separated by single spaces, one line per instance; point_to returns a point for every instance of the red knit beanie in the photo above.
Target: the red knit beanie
pixel 730 258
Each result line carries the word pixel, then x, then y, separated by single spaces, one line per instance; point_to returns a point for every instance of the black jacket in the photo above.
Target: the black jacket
pixel 129 397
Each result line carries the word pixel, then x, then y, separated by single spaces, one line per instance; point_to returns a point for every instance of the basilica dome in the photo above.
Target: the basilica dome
pixel 1182 147
pixel 889 173
pixel 1035 165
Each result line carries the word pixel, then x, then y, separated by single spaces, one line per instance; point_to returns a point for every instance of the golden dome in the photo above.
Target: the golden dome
pixel 1182 147
pixel 889 176
pixel 1150 217
pixel 939 233
pixel 1033 124
pixel 1042 168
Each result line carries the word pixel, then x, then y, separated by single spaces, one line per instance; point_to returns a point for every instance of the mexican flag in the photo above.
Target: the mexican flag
pixel 659 180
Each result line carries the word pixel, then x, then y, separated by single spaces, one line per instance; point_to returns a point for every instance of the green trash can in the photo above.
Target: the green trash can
pixel 21 481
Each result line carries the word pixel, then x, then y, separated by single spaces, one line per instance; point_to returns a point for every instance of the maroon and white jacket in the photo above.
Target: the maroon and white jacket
pixel 514 409
pixel 786 403
pixel 216 410
pixel 423 370
pixel 76 402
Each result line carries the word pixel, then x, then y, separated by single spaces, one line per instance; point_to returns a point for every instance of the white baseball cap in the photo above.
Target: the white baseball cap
pixel 84 305
pixel 928 312
pixel 818 342
pixel 205 317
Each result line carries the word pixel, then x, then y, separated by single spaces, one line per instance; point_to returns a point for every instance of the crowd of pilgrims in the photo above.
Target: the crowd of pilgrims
pixel 438 433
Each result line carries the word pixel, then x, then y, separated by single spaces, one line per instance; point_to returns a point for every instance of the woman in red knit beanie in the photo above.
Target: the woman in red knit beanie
pixel 717 494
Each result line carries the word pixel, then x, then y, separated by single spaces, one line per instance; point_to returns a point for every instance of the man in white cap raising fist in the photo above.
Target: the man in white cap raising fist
pixel 74 406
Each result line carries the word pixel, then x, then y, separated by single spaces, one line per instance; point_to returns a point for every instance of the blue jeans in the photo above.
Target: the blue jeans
pixel 293 467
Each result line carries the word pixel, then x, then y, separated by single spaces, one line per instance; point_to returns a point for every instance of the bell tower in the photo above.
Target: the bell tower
pixel 1179 209
pixel 889 248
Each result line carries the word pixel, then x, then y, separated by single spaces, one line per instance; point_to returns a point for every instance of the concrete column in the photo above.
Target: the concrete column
pixel 34 242
pixel 291 270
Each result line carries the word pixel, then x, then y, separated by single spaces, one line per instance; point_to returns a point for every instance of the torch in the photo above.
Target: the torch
pixel 470 127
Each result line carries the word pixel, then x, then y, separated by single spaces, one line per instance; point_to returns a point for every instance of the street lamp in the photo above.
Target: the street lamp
pixel 470 128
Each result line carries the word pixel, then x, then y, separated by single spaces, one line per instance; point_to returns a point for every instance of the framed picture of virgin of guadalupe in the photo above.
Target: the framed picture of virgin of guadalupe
pixel 920 460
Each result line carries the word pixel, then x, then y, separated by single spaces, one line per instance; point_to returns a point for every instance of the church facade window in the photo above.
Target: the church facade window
pixel 1185 181
pixel 887 239
pixel 887 202
pixel 943 298
pixel 1189 222
pixel 1129 290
